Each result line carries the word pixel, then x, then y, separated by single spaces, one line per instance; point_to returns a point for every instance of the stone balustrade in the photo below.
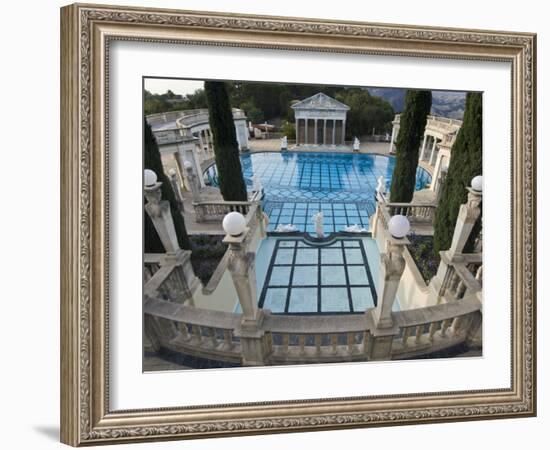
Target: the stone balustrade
pixel 217 335
pixel 415 211
pixel 216 211
pixel 464 276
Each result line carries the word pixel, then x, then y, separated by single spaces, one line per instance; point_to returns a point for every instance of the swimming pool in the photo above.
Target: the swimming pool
pixel 300 184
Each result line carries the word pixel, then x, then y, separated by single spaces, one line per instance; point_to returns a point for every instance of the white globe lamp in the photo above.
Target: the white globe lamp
pixel 477 183
pixel 399 226
pixel 149 178
pixel 234 223
pixel 187 164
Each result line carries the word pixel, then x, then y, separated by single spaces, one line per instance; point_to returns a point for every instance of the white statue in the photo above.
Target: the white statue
pixel 281 228
pixel 381 186
pixel 284 143
pixel 355 229
pixel 318 221
pixel 356 144
pixel 256 184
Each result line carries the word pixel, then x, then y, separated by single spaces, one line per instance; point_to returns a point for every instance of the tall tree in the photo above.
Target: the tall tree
pixel 153 162
pixel 413 121
pixel 466 163
pixel 226 148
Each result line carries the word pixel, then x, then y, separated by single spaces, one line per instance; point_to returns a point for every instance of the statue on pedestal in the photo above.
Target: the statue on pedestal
pixel 318 221
pixel 356 144
pixel 284 143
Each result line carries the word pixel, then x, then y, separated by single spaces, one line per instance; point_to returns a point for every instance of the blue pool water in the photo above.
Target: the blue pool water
pixel 298 185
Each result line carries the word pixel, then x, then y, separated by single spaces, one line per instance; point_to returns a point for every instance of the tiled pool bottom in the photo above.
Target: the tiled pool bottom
pixel 311 278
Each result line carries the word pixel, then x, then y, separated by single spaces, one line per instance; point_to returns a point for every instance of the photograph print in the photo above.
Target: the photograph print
pixel 289 224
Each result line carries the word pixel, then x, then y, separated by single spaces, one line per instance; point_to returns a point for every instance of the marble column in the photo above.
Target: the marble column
pixel 324 131
pixel 392 139
pixel 306 140
pixel 423 149
pixel 296 123
pixel 315 141
pixel 433 152
pixel 333 131
pixel 343 132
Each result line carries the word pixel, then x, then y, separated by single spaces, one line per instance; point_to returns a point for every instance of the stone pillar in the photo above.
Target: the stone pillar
pixel 343 132
pixel 432 154
pixel 306 137
pixel 467 216
pixel 255 350
pixel 392 265
pixel 159 212
pixel 297 121
pixel 173 175
pixel 423 148
pixel 193 182
pixel 392 139
pixel 324 131
pixel 333 131
pixel 315 131
pixel 201 139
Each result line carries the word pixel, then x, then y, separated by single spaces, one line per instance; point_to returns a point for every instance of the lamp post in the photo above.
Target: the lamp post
pixel 159 212
pixel 466 219
pixel 392 265
pixel 241 267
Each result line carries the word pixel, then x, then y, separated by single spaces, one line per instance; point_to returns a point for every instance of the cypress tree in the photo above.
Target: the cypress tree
pixel 226 148
pixel 466 163
pixel 413 121
pixel 152 161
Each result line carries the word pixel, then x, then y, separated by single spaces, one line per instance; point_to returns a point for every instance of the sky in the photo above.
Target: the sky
pixel 183 87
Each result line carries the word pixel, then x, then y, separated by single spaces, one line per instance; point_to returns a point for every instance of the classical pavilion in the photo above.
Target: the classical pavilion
pixel 320 120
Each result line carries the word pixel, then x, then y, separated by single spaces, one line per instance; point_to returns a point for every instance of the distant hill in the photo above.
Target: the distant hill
pixel 444 103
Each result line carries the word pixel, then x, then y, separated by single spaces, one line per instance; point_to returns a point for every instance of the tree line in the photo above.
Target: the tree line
pixel 271 101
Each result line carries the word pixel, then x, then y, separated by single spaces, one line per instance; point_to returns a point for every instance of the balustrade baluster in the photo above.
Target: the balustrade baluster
pixel 406 332
pixel 334 343
pixel 444 325
pixel 418 333
pixel 366 337
pixel 302 343
pixel 350 342
pixel 456 325
pixel 212 335
pixel 460 289
pixel 184 331
pixel 433 328
pixel 196 331
pixel 318 339
pixel 228 339
pixel 286 339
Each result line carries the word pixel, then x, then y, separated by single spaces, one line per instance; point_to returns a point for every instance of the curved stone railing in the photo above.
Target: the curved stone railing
pixel 217 335
pixel 436 121
pixel 196 117
pixel 415 211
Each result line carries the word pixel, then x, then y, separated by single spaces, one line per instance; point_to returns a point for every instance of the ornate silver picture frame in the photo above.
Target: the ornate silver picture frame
pixel 87 33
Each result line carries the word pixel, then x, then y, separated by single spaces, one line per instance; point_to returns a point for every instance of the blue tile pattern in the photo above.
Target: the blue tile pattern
pixel 315 278
pixel 339 184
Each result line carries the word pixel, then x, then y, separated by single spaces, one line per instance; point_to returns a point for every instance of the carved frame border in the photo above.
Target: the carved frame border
pixel 86 31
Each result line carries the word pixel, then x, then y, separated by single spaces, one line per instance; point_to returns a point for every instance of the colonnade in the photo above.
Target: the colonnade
pixel 320 131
